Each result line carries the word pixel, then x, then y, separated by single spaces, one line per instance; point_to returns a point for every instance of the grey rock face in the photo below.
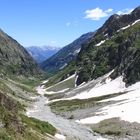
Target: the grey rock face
pixel 14 59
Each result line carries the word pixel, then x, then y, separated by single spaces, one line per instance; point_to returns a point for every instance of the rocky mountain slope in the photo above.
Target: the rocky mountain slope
pixel 41 53
pixel 14 59
pixel 65 55
pixel 100 89
pixel 96 95
pixel 18 76
pixel 114 46
pixel 104 104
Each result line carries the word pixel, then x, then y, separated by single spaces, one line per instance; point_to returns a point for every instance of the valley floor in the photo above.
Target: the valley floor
pixel 67 129
pixel 104 105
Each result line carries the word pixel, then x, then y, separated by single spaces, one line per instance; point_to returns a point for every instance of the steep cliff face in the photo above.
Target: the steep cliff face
pixel 116 46
pixel 116 22
pixel 14 59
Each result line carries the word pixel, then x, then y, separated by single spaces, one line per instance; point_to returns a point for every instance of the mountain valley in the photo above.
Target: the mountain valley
pixel 92 89
pixel 41 53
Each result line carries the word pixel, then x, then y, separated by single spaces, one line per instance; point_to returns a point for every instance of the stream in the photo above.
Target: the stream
pixel 67 128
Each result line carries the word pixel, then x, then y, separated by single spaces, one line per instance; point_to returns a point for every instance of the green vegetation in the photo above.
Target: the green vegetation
pixel 70 83
pixel 14 58
pixel 110 127
pixel 71 105
pixel 29 129
pixel 9 118
pixel 40 126
pixel 15 125
pixel 121 51
pixel 66 72
pixel 18 77
pixel 31 81
pixel 5 88
pixel 116 127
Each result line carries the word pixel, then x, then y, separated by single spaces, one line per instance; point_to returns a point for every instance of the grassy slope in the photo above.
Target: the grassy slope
pixel 117 129
pixel 69 83
pixel 71 105
pixel 63 74
pixel 13 124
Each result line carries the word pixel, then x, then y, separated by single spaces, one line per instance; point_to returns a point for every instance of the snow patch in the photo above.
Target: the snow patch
pixel 34 109
pixel 100 43
pixel 109 87
pixel 106 35
pixel 53 92
pixel 77 51
pixel 87 93
pixel 33 97
pixel 101 139
pixel 135 22
pixel 45 81
pixel 126 109
pixel 76 80
pixel 82 84
pixel 31 111
pixel 63 66
pixel 40 90
pixel 60 137
pixel 123 28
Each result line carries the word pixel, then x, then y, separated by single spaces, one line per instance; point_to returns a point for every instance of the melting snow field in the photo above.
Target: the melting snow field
pixel 109 87
pixel 126 109
pixel 125 106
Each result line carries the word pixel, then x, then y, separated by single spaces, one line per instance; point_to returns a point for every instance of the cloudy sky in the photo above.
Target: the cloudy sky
pixel 57 22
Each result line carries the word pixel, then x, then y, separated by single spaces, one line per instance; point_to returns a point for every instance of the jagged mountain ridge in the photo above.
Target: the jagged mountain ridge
pixel 41 53
pixel 114 46
pixel 115 22
pixel 14 59
pixel 65 55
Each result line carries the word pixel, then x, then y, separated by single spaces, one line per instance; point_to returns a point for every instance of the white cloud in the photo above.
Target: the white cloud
pixel 109 10
pixel 125 11
pixel 53 43
pixel 68 24
pixel 97 13
pixel 72 23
